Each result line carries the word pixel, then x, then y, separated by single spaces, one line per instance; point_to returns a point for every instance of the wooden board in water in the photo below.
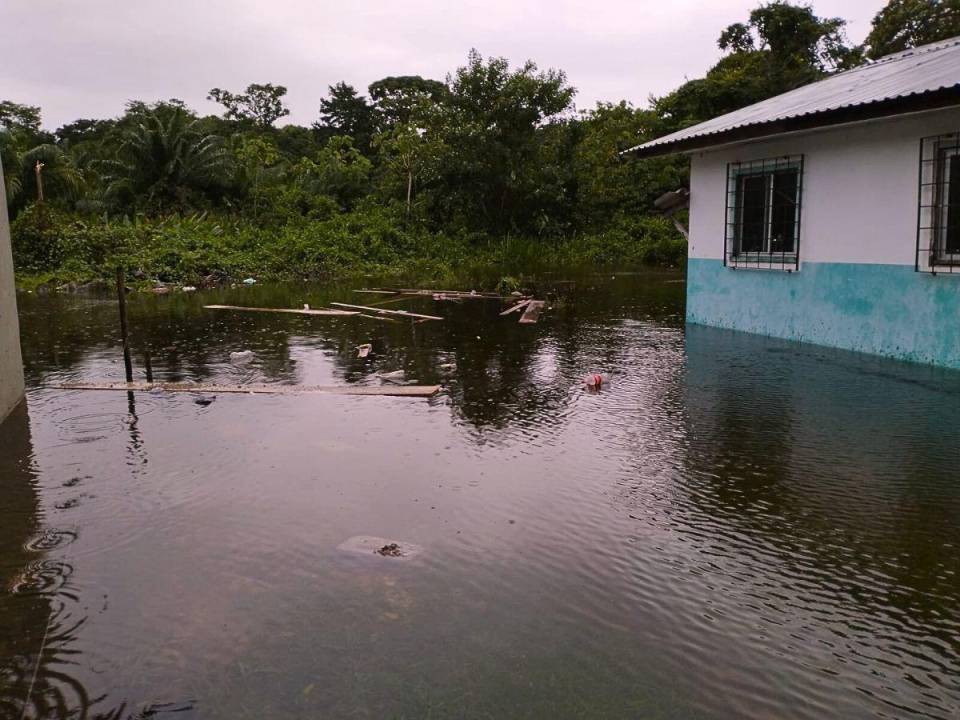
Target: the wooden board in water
pixel 293 311
pixel 393 390
pixel 532 313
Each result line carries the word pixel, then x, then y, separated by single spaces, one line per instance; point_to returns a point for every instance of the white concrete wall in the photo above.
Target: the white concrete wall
pixel 860 189
pixel 11 365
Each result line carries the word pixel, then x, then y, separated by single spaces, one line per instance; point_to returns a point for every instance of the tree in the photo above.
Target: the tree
pixel 260 106
pixel 610 185
pixel 779 48
pixel 905 24
pixel 16 117
pixel 407 153
pixel 340 171
pixel 256 156
pixel 83 130
pixel 162 160
pixel 396 98
pixel 492 122
pixel 346 112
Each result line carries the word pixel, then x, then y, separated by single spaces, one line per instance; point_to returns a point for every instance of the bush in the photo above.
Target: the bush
pixel 370 239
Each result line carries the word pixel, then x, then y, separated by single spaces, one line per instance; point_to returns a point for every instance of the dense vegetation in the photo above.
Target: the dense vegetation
pixel 492 165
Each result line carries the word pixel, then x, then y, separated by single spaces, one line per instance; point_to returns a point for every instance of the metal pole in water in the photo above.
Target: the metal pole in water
pixel 122 302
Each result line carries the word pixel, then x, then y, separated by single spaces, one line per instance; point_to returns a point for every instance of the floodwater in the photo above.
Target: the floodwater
pixel 733 527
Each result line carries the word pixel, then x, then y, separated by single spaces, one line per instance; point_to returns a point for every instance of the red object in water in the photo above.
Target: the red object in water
pixel 594 381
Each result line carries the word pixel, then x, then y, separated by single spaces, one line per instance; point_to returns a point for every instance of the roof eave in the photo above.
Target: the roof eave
pixel 937 99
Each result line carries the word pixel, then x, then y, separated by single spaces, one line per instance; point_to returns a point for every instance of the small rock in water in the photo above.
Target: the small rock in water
pixel 204 400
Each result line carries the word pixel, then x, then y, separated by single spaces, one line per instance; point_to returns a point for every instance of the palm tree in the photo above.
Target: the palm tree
pixel 164 160
pixel 48 172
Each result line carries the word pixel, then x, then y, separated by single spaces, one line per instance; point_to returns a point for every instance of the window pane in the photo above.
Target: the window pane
pixel 952 197
pixel 752 209
pixel 783 214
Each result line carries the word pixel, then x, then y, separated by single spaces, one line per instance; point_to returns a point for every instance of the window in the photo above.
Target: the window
pixel 938 229
pixel 763 213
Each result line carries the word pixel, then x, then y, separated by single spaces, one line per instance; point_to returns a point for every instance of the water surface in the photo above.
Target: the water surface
pixel 732 527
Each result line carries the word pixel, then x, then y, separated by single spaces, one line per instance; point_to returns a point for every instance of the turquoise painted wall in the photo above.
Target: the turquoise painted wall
pixel 882 309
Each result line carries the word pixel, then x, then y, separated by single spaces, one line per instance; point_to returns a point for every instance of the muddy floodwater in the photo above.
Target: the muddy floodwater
pixel 733 527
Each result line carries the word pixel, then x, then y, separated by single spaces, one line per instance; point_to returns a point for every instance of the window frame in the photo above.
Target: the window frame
pixel 766 258
pixel 941 254
pixel 933 208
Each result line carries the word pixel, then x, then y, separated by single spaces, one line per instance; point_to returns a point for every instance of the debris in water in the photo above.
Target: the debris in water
pixel 594 381
pixel 400 391
pixel 204 400
pixel 383 311
pixel 364 350
pixel 367 545
pixel 242 357
pixel 160 290
pixel 532 313
pixel 189 288
pixel 296 311
pixel 249 281
pixel 519 306
pixel 306 306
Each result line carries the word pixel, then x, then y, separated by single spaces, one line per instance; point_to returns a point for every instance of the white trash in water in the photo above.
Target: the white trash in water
pixel 249 281
pixel 241 357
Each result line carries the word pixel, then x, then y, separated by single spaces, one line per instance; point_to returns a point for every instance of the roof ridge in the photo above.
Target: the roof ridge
pixel 918 50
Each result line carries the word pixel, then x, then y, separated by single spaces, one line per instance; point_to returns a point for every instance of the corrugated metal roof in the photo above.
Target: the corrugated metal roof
pixel 919 71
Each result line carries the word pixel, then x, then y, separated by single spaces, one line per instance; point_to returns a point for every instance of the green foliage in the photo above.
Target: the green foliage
pixel 16 117
pixel 261 105
pixel 340 171
pixel 163 161
pixel 397 99
pixel 346 112
pixel 905 24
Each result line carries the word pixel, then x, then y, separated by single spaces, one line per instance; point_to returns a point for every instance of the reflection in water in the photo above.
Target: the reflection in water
pixel 732 527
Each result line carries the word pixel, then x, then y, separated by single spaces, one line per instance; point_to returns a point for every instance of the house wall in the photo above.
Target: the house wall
pixel 856 287
pixel 11 366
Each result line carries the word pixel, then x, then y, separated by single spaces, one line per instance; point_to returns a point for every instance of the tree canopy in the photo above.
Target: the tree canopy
pixel 904 24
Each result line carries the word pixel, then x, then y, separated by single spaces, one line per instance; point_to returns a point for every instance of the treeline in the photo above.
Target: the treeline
pixel 492 162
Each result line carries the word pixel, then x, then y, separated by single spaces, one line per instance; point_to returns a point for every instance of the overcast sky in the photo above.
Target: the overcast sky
pixel 86 58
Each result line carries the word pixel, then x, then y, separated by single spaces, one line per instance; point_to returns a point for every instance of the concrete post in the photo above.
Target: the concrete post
pixel 11 362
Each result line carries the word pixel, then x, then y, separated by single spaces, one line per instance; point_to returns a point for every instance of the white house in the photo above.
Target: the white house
pixel 831 214
pixel 11 367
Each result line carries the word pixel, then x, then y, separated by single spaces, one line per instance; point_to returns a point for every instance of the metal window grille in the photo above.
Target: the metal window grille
pixel 938 218
pixel 763 214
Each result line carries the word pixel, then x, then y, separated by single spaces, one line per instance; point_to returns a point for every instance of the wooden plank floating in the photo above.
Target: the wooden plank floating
pixel 392 390
pixel 532 313
pixel 519 306
pixel 291 311
pixel 384 311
